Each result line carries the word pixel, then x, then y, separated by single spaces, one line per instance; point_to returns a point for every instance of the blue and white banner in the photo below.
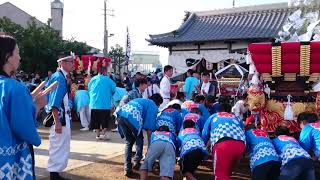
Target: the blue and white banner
pixel 128 48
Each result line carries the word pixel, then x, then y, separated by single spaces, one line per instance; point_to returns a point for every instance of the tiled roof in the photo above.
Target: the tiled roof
pixel 17 15
pixel 249 22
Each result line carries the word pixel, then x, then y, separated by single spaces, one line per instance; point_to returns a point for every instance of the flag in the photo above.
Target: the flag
pixel 128 48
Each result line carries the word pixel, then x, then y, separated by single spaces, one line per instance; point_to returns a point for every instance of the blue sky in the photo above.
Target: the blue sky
pixel 83 19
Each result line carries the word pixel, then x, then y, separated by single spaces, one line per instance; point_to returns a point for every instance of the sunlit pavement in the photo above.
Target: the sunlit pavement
pixel 85 149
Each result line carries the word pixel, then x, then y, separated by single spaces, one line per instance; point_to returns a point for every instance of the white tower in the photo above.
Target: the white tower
pixel 57 15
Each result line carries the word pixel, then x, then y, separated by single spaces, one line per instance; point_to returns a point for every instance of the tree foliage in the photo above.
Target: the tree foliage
pixel 118 57
pixel 40 47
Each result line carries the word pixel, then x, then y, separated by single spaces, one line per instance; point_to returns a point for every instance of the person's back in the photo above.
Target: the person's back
pixel 118 95
pixel 288 148
pixel 310 138
pixel 227 140
pixel 258 143
pixel 190 84
pixel 81 99
pixel 132 117
pixel 172 118
pixel 264 160
pixel 197 119
pixel 190 139
pixel 239 109
pixel 225 125
pixel 296 163
pixel 192 148
pixel 140 113
pixel 162 147
pixel 101 89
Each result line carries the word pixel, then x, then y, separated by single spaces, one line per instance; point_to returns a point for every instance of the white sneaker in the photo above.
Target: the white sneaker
pixel 104 137
pixel 84 129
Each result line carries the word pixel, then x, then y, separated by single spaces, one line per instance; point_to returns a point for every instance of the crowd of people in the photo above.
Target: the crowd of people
pixel 188 125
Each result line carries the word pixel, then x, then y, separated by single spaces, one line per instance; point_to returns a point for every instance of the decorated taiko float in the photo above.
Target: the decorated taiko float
pixel 85 66
pixel 286 69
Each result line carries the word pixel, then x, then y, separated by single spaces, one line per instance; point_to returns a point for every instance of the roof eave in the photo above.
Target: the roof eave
pixel 166 44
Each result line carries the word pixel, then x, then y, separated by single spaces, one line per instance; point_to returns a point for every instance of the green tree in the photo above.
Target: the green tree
pixel 117 55
pixel 40 47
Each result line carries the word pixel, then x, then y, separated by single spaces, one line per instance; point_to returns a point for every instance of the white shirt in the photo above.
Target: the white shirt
pixel 205 87
pixel 239 109
pixel 152 89
pixel 165 87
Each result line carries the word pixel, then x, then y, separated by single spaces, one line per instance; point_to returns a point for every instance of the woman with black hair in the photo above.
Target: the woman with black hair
pixel 18 116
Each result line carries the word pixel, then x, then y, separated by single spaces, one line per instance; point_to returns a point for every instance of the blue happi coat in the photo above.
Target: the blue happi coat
pixel 288 149
pixel 170 118
pixel 140 113
pixel 81 99
pixel 189 139
pixel 18 130
pixel 189 87
pixel 101 90
pixel 310 138
pixel 197 119
pixel 221 125
pixel 260 148
pixel 163 136
pixel 55 97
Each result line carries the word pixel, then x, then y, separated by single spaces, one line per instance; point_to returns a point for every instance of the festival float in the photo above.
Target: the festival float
pixel 287 70
pixel 85 66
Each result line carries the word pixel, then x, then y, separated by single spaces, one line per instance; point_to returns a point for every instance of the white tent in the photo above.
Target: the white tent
pixel 178 59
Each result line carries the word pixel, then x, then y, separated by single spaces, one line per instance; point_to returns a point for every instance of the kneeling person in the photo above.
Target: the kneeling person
pixel 264 160
pixel 192 150
pixel 296 162
pixel 162 147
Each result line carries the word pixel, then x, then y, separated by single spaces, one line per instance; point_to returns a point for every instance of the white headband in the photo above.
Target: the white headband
pixel 68 57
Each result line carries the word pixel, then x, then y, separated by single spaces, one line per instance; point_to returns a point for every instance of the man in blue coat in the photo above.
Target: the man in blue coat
pixel 133 117
pixel 101 90
pixel 60 132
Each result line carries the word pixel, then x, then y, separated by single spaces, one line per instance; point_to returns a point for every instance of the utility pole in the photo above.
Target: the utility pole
pixel 105 37
pixel 233 3
pixel 105 29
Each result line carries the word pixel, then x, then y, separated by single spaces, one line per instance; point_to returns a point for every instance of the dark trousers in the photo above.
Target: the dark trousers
pixel 267 171
pixel 191 161
pixel 298 169
pixel 33 160
pixel 131 137
pixel 100 118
